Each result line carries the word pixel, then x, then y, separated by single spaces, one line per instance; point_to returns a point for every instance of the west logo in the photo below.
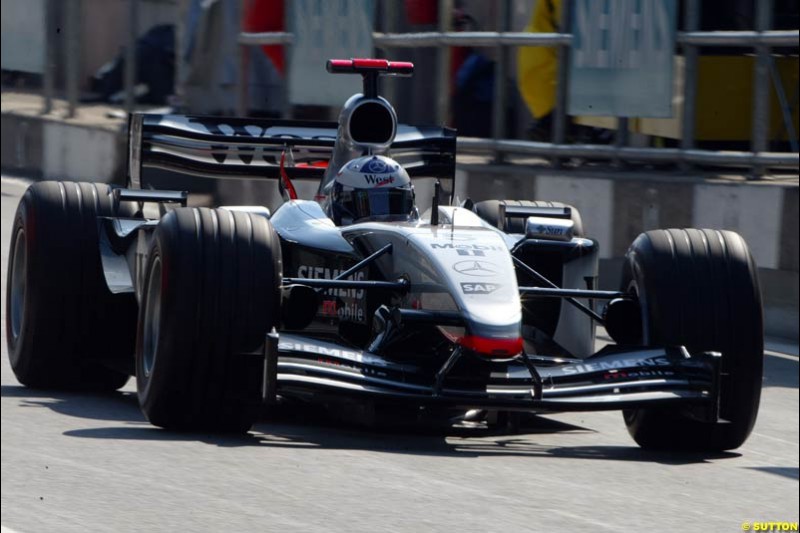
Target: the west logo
pixel 479 288
pixel 378 180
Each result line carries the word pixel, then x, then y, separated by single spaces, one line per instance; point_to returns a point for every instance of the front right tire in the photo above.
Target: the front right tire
pixel 699 289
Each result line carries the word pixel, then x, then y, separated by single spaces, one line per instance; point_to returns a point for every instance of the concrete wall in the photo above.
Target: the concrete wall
pixel 22 145
pixel 617 206
pixel 90 147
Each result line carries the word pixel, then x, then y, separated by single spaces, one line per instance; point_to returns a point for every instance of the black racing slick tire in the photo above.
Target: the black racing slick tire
pixel 489 210
pixel 62 323
pixel 699 288
pixel 211 294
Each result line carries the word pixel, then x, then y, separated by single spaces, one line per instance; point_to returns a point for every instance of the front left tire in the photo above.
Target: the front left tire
pixel 211 295
pixel 63 325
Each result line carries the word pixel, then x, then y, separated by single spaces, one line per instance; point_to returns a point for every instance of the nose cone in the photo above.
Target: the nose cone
pixel 501 347
pixel 476 266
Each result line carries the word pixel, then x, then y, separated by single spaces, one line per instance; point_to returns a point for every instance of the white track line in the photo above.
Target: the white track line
pixel 786 356
pixel 12 180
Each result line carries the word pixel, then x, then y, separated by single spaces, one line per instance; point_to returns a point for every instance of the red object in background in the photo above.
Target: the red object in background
pixel 287 183
pixel 347 66
pixel 263 16
pixel 458 54
pixel 427 12
pixel 422 11
pixel 317 164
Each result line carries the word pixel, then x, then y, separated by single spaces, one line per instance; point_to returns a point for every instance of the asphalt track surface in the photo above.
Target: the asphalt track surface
pixel 84 462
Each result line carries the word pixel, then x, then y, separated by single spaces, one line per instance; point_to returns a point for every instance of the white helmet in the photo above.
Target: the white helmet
pixel 372 187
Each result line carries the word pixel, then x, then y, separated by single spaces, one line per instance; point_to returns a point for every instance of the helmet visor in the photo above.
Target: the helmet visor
pixel 364 203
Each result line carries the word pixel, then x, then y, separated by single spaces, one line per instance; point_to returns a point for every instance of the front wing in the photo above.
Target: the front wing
pixel 613 378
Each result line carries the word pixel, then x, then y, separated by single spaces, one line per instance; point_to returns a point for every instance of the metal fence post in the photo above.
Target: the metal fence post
pixel 243 75
pixel 443 63
pixel 560 111
pixel 242 93
pixel 178 99
pixel 287 66
pixel 786 108
pixel 130 55
pixel 73 52
pixel 620 140
pixel 389 19
pixel 761 82
pixel 691 22
pixel 287 44
pixel 48 74
pixel 500 75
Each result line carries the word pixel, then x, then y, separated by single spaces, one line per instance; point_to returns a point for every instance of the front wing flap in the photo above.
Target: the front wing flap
pixel 613 378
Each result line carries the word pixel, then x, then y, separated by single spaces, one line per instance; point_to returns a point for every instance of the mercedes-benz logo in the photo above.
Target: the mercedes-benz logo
pixel 480 269
pixel 376 166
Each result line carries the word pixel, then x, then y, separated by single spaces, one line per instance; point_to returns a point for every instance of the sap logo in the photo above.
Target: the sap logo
pixel 378 181
pixel 479 288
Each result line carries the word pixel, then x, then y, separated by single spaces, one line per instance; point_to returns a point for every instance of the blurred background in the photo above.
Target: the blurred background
pixel 641 113
pixel 726 76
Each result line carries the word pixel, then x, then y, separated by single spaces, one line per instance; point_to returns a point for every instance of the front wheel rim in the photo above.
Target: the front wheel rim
pixel 152 317
pixel 18 288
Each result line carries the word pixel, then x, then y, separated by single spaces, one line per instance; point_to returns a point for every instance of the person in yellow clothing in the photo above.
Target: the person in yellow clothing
pixel 537 68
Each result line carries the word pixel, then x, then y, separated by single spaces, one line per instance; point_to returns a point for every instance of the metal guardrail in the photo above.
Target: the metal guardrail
pixel 493 38
pixel 259 39
pixel 489 38
pixel 762 40
pixel 627 153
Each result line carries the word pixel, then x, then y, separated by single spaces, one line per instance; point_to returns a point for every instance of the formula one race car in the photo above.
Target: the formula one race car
pixel 357 297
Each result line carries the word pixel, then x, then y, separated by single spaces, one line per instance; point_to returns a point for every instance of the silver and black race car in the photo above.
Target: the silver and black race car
pixel 357 297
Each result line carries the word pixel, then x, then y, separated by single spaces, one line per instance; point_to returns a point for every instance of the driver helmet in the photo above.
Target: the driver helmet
pixel 372 187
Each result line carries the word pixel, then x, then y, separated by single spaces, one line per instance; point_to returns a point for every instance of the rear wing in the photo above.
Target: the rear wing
pixel 251 148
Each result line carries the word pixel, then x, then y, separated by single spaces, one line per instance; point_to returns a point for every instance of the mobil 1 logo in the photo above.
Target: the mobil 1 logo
pixel 479 288
pixel 474 250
